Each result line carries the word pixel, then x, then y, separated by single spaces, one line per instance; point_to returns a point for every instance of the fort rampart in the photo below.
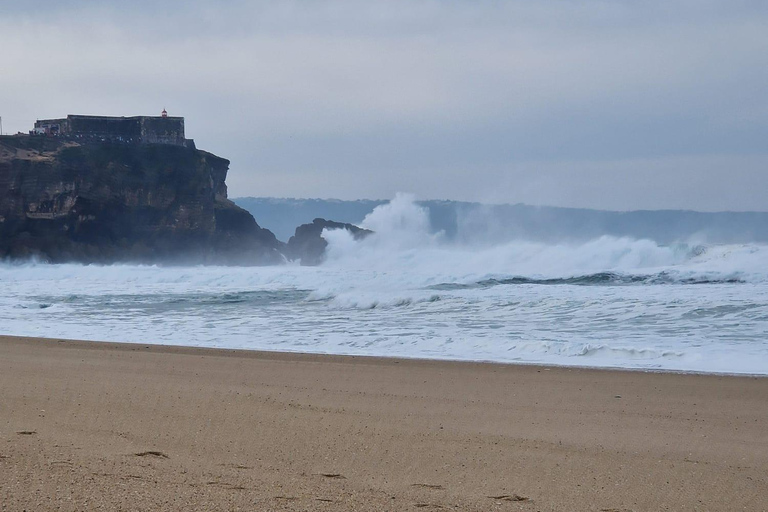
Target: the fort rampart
pixel 136 129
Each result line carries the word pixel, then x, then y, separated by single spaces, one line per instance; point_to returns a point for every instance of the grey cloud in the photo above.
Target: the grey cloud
pixel 444 99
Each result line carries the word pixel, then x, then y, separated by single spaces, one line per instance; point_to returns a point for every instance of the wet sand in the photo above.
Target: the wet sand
pixel 86 426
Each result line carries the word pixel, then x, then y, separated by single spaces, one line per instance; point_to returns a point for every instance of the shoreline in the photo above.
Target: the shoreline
pixel 266 354
pixel 124 426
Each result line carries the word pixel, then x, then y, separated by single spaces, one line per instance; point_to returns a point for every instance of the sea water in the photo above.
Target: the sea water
pixel 407 292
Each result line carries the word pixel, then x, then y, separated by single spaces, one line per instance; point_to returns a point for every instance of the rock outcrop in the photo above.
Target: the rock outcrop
pixel 63 201
pixel 308 244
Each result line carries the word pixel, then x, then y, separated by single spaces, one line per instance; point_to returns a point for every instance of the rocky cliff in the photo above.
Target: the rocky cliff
pixel 101 203
pixel 308 244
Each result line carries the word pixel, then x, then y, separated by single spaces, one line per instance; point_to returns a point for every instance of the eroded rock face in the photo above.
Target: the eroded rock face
pixel 308 245
pixel 102 203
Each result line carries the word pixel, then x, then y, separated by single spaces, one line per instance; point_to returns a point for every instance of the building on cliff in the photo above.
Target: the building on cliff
pixel 137 129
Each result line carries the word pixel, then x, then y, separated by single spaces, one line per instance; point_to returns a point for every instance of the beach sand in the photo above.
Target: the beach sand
pixel 87 426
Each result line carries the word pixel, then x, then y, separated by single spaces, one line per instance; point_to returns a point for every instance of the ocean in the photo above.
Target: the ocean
pixel 409 292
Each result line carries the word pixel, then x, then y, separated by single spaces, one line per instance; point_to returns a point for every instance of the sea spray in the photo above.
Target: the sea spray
pixel 403 243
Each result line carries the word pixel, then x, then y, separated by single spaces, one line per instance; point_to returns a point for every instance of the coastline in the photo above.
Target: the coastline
pixel 290 431
pixel 277 354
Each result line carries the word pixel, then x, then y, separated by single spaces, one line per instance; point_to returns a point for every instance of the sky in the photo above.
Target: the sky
pixel 607 104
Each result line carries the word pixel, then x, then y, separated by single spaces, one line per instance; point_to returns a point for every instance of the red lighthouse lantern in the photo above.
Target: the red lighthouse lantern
pixel 164 113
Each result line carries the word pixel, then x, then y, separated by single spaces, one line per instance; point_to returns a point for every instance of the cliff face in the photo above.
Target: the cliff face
pixel 100 202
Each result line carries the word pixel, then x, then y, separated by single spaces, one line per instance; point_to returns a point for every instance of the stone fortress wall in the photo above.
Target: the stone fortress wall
pixel 136 129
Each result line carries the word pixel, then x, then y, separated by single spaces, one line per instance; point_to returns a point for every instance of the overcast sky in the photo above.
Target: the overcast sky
pixel 597 103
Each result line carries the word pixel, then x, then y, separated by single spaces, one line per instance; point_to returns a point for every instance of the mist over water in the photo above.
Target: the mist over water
pixel 410 290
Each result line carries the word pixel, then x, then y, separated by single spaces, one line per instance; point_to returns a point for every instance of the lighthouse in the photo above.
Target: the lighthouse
pixel 164 113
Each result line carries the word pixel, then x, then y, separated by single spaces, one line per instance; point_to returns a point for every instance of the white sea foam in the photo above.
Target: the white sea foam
pixel 406 292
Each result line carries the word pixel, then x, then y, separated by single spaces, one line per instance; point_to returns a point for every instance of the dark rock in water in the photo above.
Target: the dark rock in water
pixel 308 245
pixel 63 201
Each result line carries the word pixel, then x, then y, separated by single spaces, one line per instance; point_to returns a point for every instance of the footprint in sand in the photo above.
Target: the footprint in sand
pixel 337 476
pixel 153 453
pixel 510 497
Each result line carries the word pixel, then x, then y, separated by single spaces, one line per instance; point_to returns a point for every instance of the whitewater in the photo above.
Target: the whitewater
pixel 409 292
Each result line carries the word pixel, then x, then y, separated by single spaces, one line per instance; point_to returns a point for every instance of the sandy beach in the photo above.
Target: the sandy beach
pixel 103 426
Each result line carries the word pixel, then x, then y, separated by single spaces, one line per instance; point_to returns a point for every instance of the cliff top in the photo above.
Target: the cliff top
pixel 27 147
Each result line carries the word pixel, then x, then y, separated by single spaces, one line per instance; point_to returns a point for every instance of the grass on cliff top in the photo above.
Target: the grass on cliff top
pixel 31 142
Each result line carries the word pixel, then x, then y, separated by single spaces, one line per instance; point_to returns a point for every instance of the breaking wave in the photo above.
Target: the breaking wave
pixel 598 279
pixel 403 242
